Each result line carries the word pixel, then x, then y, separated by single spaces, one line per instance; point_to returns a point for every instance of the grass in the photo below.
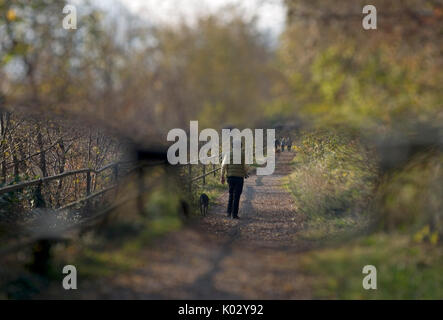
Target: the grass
pixel 321 227
pixel 405 270
pixel 99 256
pixel 213 188
pixel 332 182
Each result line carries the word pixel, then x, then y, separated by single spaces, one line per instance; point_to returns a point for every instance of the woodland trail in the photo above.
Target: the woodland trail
pixel 219 258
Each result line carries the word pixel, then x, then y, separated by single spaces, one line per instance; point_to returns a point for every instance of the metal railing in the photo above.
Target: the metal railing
pixel 204 174
pixel 87 171
pixel 41 244
pixel 213 171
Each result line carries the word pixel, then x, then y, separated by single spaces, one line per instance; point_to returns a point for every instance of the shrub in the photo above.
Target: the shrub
pixel 411 199
pixel 334 174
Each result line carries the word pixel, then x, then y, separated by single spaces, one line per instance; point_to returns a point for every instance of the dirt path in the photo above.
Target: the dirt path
pixel 251 258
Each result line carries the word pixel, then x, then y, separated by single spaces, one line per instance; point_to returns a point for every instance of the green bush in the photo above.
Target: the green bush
pixel 334 175
pixel 411 199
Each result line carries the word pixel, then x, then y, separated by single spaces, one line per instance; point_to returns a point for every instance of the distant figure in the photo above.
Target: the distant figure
pixel 289 143
pixel 283 143
pixel 277 145
pixel 204 204
pixel 236 174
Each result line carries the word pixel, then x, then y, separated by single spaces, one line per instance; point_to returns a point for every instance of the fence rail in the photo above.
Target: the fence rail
pixel 87 198
pixel 41 245
pixel 204 174
pixel 35 182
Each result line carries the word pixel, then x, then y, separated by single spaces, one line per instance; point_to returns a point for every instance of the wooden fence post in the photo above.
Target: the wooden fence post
pixel 38 196
pixel 41 251
pixel 204 174
pixel 88 183
pixel 115 171
pixel 213 169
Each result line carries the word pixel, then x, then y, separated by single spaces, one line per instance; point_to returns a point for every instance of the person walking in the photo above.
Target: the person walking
pixel 277 144
pixel 236 174
pixel 289 143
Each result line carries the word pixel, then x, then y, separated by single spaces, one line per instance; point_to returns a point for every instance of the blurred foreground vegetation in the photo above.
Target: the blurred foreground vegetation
pixel 333 182
pixel 379 177
pixel 365 107
pixel 405 269
pixel 394 220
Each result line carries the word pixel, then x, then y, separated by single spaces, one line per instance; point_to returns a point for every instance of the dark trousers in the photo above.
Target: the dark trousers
pixel 235 190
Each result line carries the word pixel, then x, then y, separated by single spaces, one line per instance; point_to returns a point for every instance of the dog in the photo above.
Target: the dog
pixel 204 204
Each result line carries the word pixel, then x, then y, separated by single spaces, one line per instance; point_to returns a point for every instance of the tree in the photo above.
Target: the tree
pixel 337 72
